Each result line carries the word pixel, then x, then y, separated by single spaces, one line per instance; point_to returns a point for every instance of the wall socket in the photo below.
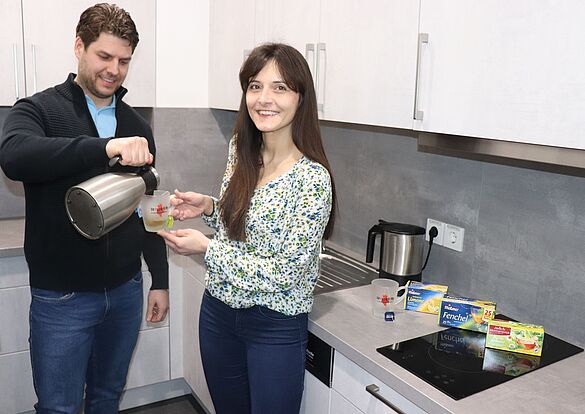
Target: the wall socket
pixel 449 235
pixel 453 237
pixel 440 228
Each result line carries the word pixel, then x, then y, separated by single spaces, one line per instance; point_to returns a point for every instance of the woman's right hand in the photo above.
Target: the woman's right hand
pixel 190 205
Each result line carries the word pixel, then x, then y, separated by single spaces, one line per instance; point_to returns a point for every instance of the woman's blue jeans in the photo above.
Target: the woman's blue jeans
pixel 79 338
pixel 254 358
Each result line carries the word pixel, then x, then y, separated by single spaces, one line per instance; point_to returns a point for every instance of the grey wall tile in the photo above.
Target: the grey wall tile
pixel 524 229
pixel 191 150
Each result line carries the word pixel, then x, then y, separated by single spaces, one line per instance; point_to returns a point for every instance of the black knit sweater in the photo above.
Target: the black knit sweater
pixel 50 143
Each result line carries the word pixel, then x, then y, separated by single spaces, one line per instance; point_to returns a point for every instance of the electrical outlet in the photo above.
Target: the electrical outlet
pixel 440 228
pixel 453 237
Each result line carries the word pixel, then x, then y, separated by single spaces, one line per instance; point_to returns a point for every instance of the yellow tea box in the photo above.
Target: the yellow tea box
pixel 515 337
pixel 423 297
pixel 466 313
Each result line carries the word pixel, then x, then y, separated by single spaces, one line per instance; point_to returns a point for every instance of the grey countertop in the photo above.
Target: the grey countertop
pixel 12 234
pixel 343 319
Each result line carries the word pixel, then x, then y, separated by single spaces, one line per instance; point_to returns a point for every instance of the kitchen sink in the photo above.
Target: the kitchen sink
pixel 338 271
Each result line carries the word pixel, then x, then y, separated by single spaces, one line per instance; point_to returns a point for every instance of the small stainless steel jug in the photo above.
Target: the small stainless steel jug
pixel 401 250
pixel 102 203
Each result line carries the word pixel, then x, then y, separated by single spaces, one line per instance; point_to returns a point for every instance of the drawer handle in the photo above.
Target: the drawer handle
pixel 15 56
pixel 374 390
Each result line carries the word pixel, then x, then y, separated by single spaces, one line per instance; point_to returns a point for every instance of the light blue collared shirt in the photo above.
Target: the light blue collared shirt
pixel 103 118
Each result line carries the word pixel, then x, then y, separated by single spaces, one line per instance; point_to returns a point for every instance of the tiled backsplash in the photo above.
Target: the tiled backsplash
pixel 524 229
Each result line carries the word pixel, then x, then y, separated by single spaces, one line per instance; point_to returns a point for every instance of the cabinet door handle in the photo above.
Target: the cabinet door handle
pixel 422 38
pixel 321 47
pixel 33 50
pixel 374 390
pixel 310 49
pixel 16 86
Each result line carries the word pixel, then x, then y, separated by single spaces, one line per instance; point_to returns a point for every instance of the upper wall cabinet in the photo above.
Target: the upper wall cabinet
pixel 363 59
pixel 504 70
pixel 231 37
pixel 48 55
pixel 295 23
pixel 366 58
pixel 11 53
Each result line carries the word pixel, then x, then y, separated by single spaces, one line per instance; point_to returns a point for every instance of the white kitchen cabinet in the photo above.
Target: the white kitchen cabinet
pixel 14 319
pixel 369 61
pixel 48 55
pixel 231 38
pixel 294 23
pixel 182 50
pixel 350 381
pixel 16 387
pixel 193 288
pixel 504 70
pixel 340 405
pixel 11 53
pixel 16 384
pixel 151 359
pixel 363 59
pixel 316 396
pixel 365 74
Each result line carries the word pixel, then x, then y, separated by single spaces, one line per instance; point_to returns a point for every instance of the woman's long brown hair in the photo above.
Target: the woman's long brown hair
pixel 305 131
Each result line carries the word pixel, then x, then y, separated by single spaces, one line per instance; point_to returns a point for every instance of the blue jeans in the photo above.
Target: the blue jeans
pixel 254 358
pixel 83 337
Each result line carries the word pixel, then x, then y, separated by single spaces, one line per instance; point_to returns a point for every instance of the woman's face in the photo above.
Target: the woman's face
pixel 271 103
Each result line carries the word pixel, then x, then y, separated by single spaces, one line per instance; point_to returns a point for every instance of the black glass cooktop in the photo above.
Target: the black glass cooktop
pixel 457 363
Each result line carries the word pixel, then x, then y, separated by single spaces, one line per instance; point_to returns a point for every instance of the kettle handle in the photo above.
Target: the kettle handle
pixel 375 230
pixel 114 160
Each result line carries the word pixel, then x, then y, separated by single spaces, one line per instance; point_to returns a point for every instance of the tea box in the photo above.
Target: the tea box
pixel 515 337
pixel 422 297
pixel 466 313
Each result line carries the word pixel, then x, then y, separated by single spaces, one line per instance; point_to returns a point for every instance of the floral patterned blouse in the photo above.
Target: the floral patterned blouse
pixel 278 264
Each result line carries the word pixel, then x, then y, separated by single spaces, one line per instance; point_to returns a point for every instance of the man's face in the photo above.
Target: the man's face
pixel 102 67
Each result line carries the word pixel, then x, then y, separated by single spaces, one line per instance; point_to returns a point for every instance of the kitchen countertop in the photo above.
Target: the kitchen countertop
pixel 12 234
pixel 343 320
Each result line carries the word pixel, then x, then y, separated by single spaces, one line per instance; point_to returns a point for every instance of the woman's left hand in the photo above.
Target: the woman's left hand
pixel 185 241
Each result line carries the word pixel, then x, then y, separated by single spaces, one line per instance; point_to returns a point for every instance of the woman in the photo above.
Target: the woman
pixel 277 203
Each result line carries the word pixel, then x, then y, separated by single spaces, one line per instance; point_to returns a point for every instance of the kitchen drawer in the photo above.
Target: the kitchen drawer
pixel 340 405
pixel 350 380
pixel 315 396
pixel 151 360
pixel 16 386
pixel 14 319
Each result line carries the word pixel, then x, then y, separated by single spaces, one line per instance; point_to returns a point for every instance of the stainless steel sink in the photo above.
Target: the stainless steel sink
pixel 338 271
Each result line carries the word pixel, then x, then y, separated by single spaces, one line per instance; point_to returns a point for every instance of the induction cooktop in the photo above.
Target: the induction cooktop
pixel 457 363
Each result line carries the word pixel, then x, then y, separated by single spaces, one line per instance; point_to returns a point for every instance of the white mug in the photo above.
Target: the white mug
pixel 385 296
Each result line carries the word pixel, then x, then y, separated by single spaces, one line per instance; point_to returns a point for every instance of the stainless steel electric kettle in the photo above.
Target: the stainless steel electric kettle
pixel 102 203
pixel 401 250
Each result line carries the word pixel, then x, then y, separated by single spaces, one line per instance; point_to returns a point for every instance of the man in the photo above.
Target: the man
pixel 86 307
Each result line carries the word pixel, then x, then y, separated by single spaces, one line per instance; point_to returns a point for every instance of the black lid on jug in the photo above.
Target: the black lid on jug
pixel 401 228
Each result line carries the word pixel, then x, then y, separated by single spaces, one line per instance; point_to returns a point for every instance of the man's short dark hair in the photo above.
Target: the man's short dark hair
pixel 106 18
